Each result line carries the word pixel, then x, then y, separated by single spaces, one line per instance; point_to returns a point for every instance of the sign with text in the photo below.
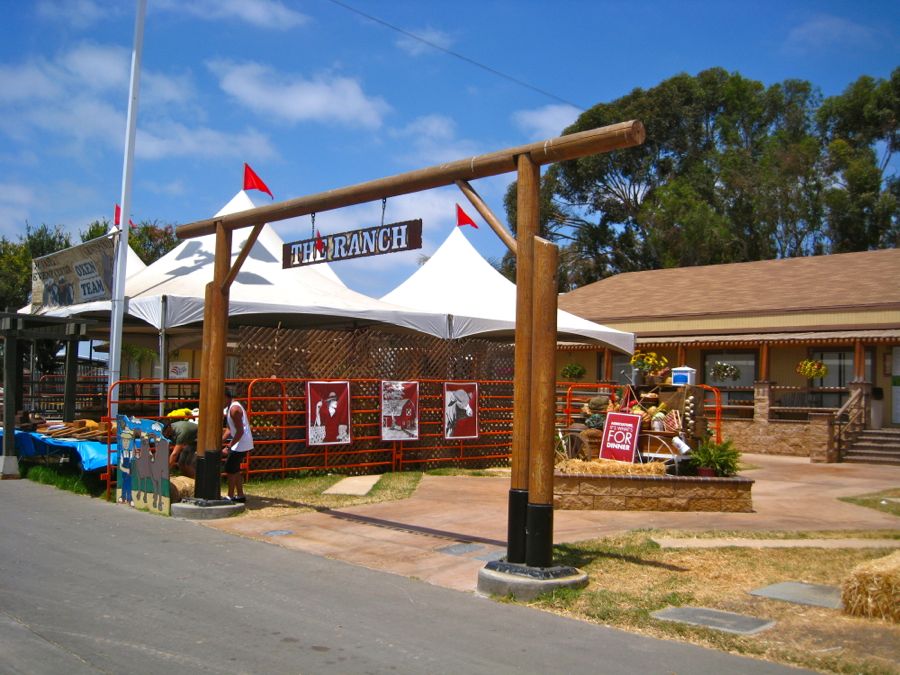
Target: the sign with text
pixel 78 274
pixel 390 238
pixel 620 436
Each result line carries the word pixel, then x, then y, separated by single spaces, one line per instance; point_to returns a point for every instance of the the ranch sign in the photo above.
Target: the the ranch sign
pixel 391 238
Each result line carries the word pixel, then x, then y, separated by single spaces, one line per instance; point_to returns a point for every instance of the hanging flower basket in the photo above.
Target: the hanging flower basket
pixel 811 369
pixel 722 371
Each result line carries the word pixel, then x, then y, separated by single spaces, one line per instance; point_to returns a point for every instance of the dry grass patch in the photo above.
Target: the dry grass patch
pixel 774 534
pixel 304 493
pixel 631 577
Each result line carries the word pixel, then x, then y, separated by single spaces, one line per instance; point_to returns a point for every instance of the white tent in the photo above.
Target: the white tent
pixel 457 281
pixel 171 291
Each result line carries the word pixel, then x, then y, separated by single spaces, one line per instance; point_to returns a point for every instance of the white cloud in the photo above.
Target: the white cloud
pixel 826 31
pixel 415 47
pixel 431 139
pixel 260 13
pixel 292 98
pixel 99 67
pixel 546 122
pixel 172 139
pixel 76 13
pixel 15 201
pixel 27 82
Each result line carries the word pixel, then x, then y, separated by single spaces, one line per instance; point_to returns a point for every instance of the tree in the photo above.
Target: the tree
pixel 861 199
pixel 151 241
pixel 732 170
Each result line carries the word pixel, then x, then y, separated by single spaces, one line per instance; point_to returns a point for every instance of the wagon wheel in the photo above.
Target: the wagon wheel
pixel 569 445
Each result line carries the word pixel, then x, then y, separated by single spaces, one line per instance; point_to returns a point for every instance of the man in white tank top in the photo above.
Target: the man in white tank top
pixel 238 441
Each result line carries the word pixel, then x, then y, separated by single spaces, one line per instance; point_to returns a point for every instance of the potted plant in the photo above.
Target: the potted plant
pixel 573 371
pixel 649 364
pixel 716 459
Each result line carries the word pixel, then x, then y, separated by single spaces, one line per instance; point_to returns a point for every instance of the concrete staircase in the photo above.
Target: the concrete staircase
pixel 875 446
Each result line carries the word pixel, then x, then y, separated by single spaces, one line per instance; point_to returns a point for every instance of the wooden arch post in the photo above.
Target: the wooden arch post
pixel 215 317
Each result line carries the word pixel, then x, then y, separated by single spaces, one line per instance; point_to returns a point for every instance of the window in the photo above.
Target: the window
pixel 740 389
pixel 840 374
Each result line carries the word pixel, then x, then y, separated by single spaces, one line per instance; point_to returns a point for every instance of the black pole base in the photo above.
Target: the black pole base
pixel 539 535
pixel 207 484
pixel 515 534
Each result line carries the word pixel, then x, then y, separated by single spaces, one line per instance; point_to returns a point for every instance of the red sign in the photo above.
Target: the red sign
pixel 620 436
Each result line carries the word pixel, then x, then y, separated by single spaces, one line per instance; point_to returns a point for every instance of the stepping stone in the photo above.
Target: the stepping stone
pixel 353 485
pixel 461 549
pixel 728 622
pixel 802 594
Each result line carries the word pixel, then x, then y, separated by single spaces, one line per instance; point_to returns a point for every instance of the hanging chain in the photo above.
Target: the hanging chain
pixel 383 207
pixel 312 220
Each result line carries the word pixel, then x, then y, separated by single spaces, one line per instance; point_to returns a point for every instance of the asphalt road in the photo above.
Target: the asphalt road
pixel 90 587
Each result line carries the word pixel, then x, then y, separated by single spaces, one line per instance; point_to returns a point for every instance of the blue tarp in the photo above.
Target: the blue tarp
pixel 91 453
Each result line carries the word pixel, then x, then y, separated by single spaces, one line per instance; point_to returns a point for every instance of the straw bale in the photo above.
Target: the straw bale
pixel 610 467
pixel 180 487
pixel 873 589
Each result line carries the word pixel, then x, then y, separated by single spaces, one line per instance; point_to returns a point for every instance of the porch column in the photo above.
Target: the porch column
pixel 764 362
pixel 762 395
pixel 859 361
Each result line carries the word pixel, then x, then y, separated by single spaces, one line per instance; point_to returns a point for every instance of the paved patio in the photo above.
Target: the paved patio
pixel 420 537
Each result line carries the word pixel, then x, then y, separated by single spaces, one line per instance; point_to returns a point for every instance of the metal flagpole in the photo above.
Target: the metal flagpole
pixel 118 299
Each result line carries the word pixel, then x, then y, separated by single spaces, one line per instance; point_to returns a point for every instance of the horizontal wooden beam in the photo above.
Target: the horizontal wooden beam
pixel 581 144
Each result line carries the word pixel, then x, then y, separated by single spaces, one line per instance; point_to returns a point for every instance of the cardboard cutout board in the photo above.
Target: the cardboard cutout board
pixel 142 479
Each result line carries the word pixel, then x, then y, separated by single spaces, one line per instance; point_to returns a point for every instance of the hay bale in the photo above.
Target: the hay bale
pixel 610 467
pixel 873 589
pixel 180 487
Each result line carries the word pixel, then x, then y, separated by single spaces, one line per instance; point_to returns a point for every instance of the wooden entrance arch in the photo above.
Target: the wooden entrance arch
pixel 531 486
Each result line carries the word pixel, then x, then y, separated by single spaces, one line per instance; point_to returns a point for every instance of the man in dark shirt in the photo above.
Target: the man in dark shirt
pixel 183 436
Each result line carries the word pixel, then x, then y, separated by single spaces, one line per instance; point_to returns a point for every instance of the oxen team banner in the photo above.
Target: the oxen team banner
pixel 390 238
pixel 460 410
pixel 83 273
pixel 399 411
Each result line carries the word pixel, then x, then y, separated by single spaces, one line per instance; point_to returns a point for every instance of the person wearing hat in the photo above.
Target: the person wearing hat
pixel 238 441
pixel 329 418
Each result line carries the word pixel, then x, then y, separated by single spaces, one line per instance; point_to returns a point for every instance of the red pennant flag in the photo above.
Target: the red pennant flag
pixel 320 245
pixel 254 182
pixel 462 218
pixel 118 218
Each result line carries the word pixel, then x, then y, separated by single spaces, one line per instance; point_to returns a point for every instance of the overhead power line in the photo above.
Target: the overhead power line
pixel 461 57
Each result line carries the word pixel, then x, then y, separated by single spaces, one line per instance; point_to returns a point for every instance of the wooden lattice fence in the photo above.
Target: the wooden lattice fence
pixel 274 365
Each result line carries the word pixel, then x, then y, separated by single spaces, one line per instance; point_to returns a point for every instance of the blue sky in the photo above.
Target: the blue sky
pixel 315 96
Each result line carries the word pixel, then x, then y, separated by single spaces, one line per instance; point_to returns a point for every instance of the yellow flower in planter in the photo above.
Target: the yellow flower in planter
pixel 649 362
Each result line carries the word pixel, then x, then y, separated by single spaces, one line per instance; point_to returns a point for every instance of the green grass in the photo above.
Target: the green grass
pixel 774 534
pixel 306 492
pixel 878 501
pixel 63 477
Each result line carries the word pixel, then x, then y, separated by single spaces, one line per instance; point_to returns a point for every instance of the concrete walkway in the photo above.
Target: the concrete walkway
pixel 447 530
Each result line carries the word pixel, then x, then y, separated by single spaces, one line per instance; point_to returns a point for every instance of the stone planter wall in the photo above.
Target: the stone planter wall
pixel 781 437
pixel 652 493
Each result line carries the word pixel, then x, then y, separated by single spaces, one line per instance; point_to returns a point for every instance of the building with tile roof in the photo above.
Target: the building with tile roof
pixel 763 317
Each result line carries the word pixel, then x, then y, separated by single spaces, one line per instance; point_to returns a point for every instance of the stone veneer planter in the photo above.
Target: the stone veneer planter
pixel 652 493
